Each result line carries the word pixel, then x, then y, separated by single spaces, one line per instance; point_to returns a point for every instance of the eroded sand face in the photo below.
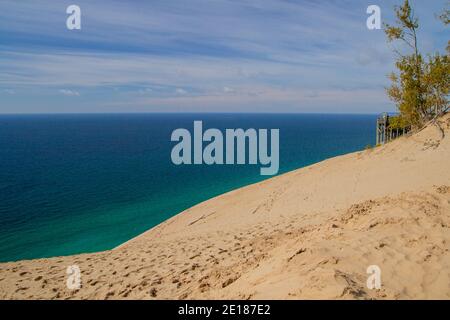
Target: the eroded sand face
pixel 308 234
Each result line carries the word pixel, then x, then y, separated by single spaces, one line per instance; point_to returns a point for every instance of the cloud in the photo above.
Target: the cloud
pixel 228 90
pixel 218 51
pixel 372 55
pixel 9 91
pixel 67 92
pixel 145 91
pixel 180 91
pixel 357 100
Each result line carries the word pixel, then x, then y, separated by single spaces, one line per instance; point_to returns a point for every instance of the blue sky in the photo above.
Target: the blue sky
pixel 200 56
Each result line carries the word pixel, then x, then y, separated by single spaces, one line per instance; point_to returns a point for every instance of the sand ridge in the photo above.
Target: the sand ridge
pixel 307 234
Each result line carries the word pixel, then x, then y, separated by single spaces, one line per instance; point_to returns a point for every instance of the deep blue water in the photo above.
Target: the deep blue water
pixel 84 183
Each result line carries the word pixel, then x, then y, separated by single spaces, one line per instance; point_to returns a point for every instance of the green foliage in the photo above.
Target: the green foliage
pixel 445 18
pixel 420 88
pixel 437 83
pixel 406 24
pixel 398 122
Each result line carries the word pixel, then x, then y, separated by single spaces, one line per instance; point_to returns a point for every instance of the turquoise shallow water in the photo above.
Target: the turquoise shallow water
pixel 84 183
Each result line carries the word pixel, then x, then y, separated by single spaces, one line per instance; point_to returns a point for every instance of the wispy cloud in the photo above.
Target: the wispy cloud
pixel 145 91
pixel 228 90
pixel 180 91
pixel 9 91
pixel 205 55
pixel 69 93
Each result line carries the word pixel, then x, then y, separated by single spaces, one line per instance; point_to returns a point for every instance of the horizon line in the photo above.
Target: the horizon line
pixel 189 112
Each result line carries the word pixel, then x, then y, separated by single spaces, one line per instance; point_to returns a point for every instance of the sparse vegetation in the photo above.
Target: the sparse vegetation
pixel 420 88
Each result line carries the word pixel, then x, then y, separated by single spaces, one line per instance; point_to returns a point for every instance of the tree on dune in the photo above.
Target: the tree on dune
pixel 420 87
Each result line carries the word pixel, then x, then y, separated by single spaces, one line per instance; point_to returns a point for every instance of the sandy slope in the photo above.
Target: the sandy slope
pixel 310 233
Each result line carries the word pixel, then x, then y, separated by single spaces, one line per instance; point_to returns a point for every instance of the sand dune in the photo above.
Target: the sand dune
pixel 307 234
